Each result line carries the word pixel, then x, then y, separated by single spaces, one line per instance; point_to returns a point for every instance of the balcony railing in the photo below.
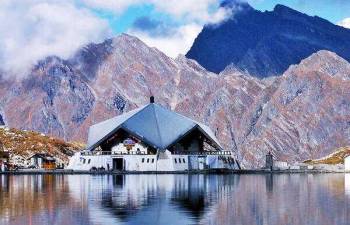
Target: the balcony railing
pixel 204 153
pixel 86 153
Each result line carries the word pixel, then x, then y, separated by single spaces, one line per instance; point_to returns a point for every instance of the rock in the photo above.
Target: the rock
pixel 265 43
pixel 307 116
pixel 300 115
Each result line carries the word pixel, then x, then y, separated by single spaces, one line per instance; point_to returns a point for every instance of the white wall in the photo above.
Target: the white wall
pixel 140 162
pixel 347 163
pixel 86 162
pixel 120 148
pixel 167 162
pixel 179 162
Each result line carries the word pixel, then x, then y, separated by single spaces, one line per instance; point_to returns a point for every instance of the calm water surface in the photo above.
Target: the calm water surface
pixel 175 199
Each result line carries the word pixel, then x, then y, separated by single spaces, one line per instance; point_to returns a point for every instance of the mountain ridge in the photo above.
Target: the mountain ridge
pixel 63 99
pixel 266 43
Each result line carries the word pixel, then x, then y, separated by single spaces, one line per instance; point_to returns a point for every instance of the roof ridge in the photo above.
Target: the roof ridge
pixel 116 128
pixel 159 135
pixel 140 110
pixel 199 125
pixel 153 123
pixel 136 110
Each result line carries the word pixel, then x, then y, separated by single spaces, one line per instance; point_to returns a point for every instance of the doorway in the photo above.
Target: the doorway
pixel 118 164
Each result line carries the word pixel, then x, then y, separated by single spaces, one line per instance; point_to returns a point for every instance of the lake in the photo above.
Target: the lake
pixel 175 199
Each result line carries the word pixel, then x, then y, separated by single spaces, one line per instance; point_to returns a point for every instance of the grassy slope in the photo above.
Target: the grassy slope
pixel 23 144
pixel 335 158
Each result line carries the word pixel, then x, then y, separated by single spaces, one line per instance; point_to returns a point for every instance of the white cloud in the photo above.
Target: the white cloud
pixel 30 30
pixel 117 6
pixel 178 43
pixel 345 23
pixel 33 29
pixel 200 10
pixel 192 14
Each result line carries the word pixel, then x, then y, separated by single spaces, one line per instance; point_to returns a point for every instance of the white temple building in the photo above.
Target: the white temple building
pixel 152 138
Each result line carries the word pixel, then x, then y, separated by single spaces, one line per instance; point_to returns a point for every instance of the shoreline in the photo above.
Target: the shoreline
pixel 208 172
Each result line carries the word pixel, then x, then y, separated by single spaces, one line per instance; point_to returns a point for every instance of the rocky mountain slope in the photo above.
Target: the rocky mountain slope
pixel 300 115
pixel 23 144
pixel 308 114
pixel 266 43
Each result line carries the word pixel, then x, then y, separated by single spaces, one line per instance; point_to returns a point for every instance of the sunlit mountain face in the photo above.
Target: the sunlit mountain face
pixel 299 112
pixel 299 115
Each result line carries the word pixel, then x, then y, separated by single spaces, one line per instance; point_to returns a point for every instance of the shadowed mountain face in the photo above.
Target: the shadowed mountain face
pixel 299 115
pixel 266 43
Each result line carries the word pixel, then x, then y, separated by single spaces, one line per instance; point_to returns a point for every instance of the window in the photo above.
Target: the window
pixel 179 160
pixel 148 160
pixel 143 160
pixel 183 160
pixel 84 160
pixel 175 161
pixel 152 160
pixel 89 161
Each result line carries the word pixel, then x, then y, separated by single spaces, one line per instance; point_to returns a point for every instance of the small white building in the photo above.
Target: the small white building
pixel 347 163
pixel 151 138
pixel 4 157
pixel 2 124
pixel 42 161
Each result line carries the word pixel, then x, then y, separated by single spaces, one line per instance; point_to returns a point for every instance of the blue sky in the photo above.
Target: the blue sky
pixel 33 29
pixel 151 21
pixel 332 10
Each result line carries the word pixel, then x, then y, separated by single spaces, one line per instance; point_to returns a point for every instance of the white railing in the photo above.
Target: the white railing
pixel 87 153
pixel 202 153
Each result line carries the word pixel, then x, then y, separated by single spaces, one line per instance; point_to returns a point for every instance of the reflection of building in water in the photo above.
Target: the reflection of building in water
pixel 197 193
pixel 136 198
pixel 189 194
pixel 269 182
pixel 347 184
pixel 4 157
pixel 315 199
pixel 152 138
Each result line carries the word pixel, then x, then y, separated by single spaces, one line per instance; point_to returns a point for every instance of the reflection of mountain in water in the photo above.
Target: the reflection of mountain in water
pixel 313 199
pixel 39 199
pixel 319 199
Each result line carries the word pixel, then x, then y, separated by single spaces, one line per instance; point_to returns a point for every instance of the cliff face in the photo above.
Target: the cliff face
pixel 266 43
pixel 308 114
pixel 302 114
pixel 63 97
